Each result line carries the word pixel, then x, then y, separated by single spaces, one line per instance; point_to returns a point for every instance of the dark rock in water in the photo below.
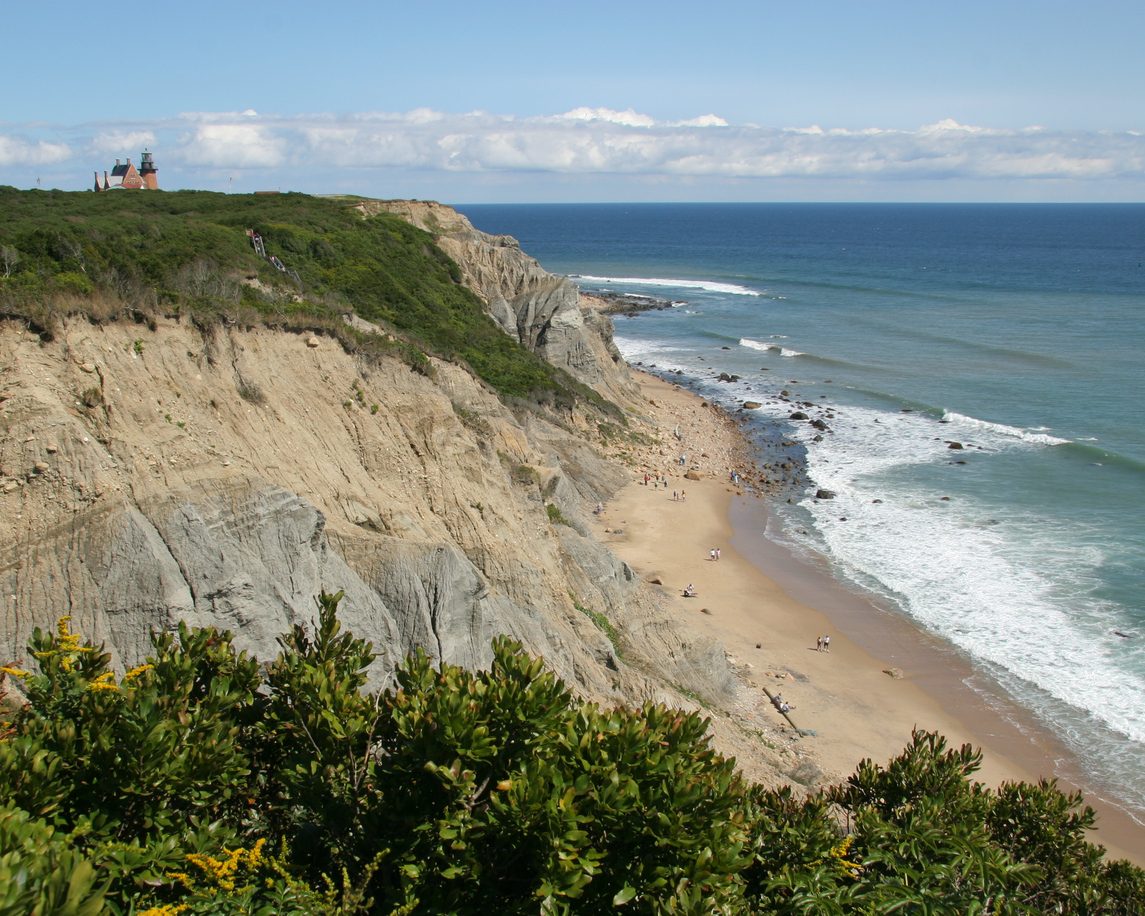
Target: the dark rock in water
pixel 907 410
pixel 819 424
pixel 960 462
pixel 842 518
pixel 725 348
pixel 876 500
pixel 798 415
pixel 751 405
pixel 1122 635
pixel 955 445
pixel 764 369
pixel 784 392
pixel 735 378
pixel 824 494
pixel 818 438
pixel 946 499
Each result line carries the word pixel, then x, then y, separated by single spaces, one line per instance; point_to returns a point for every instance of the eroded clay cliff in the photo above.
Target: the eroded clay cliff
pixel 542 311
pixel 225 477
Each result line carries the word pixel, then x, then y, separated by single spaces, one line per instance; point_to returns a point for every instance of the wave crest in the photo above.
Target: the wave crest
pixel 709 285
pixel 1001 429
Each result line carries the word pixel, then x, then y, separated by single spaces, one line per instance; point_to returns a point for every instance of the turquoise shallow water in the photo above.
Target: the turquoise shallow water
pixel 1016 331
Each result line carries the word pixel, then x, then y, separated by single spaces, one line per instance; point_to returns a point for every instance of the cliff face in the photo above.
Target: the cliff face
pixel 543 312
pixel 226 477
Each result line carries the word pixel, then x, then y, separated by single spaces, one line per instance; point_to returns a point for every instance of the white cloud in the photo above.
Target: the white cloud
pixel 117 143
pixel 18 151
pixel 237 146
pixel 593 141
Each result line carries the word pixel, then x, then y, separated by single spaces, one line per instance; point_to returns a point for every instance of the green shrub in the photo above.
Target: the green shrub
pixel 457 791
pixel 41 874
pixel 555 515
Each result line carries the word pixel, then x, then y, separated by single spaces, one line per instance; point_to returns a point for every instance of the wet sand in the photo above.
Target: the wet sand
pixel 758 593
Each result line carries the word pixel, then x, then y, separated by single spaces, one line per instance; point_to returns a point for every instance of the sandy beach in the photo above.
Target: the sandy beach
pixel 769 609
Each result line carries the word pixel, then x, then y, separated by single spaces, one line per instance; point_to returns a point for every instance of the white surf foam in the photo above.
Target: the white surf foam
pixel 1008 586
pixel 784 351
pixel 709 285
pixel 755 344
pixel 1002 429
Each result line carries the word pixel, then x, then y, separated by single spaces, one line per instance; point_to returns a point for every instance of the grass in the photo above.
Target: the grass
pixel 602 623
pixel 556 516
pixel 136 255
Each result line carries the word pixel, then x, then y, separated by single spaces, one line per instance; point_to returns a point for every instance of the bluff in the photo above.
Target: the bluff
pixel 224 472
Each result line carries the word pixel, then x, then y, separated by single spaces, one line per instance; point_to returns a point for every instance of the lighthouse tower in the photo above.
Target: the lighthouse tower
pixel 148 172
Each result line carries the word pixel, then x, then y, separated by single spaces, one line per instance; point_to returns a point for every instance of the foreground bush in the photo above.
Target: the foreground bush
pixel 199 784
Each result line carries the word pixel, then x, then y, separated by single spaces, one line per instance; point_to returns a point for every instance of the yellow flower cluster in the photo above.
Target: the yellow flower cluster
pixel 16 672
pixel 105 681
pixel 67 644
pixel 167 909
pixel 839 854
pixel 222 872
pixel 135 672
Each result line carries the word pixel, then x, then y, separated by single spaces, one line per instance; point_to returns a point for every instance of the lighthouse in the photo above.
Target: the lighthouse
pixel 148 172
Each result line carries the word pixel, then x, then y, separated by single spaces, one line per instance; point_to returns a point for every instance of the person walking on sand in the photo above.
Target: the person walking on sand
pixel 675 495
pixel 683 496
pixel 719 553
pixel 712 555
pixel 818 643
pixel 827 644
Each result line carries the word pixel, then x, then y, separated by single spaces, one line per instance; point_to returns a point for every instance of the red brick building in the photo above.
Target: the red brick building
pixel 125 176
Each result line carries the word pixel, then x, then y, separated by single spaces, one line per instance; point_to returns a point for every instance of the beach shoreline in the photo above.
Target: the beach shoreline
pixel 768 607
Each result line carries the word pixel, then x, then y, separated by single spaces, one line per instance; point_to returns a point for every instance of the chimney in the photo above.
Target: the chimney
pixel 117 162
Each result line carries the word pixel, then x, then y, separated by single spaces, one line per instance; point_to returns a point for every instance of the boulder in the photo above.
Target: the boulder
pixel 824 494
pixel 896 673
pixel 751 405
pixel 798 415
pixel 955 445
pixel 693 474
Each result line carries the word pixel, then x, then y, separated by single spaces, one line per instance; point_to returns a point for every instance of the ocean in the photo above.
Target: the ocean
pixel 1014 331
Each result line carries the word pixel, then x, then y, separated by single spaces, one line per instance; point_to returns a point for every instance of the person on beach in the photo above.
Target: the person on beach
pixel 827 644
pixel 683 496
pixel 712 555
pixel 645 480
pixel 599 508
pixel 818 643
pixel 674 496
pixel 719 553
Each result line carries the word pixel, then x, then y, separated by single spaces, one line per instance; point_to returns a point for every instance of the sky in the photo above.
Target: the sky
pixel 470 102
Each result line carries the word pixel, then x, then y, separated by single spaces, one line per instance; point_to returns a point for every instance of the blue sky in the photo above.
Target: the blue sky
pixel 469 102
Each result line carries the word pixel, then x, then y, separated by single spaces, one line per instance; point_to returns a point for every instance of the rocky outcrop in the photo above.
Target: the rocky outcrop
pixel 544 312
pixel 225 477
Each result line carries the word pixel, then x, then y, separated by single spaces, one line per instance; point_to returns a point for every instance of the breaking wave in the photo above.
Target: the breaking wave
pixel 1002 429
pixel 709 285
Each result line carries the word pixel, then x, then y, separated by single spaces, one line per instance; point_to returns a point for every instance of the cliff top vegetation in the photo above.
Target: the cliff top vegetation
pixel 110 256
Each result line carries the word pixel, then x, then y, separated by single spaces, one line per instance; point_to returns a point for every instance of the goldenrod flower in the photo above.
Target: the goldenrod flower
pixel 105 681
pixel 16 672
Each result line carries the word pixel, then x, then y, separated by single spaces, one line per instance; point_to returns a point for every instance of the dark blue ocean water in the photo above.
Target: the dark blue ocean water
pixel 1017 331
